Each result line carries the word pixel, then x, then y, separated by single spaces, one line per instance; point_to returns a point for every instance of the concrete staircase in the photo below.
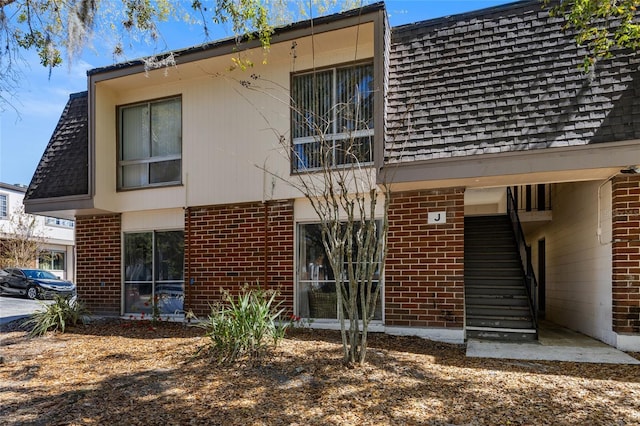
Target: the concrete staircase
pixel 496 301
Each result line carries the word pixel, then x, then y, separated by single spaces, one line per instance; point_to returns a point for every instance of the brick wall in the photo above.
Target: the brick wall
pixel 227 246
pixel 626 254
pixel 424 275
pixel 98 244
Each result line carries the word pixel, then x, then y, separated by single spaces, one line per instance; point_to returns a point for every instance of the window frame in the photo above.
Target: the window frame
pixel 301 269
pixel 148 160
pixel 334 136
pixel 154 281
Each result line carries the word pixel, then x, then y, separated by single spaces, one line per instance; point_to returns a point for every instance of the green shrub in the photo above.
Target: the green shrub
pixel 57 316
pixel 246 327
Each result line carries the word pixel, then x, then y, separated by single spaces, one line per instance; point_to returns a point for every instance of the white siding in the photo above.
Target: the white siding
pixel 578 262
pixel 230 132
pixel 167 219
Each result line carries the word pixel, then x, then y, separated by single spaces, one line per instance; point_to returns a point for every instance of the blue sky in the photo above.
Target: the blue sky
pixel 24 133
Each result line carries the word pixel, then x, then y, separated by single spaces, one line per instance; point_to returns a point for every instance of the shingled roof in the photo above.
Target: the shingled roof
pixel 503 79
pixel 63 169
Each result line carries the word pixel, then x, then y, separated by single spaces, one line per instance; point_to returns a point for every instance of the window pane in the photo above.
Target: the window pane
pixel 312 100
pixel 57 261
pixel 354 150
pixel 162 252
pixel 355 98
pixel 150 132
pixel 170 297
pixel 137 298
pixel 169 256
pixel 316 285
pixel 166 128
pixel 3 206
pixel 137 256
pixel 165 171
pixel 327 107
pixel 169 271
pixel 134 175
pixel 315 278
pixel 135 133
pixel 44 260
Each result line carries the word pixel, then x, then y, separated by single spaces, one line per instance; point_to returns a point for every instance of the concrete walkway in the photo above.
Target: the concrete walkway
pixel 554 343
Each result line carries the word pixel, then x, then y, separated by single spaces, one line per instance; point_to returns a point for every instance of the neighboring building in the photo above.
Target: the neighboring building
pixel 57 253
pixel 477 118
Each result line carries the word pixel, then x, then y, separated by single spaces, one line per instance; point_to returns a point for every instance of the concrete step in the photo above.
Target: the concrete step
pixel 500 218
pixel 501 334
pixel 497 231
pixel 510 255
pixel 497 300
pixel 499 322
pixel 489 261
pixel 488 241
pixel 497 281
pixel 498 311
pixel 514 290
pixel 493 271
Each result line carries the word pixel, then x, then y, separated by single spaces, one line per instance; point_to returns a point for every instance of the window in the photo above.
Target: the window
pixel 154 270
pixel 3 206
pixel 332 117
pixel 54 221
pixel 52 260
pixel 315 278
pixel 150 144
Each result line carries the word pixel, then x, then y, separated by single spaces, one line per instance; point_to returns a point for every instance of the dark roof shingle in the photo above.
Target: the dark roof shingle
pixel 63 169
pixel 503 79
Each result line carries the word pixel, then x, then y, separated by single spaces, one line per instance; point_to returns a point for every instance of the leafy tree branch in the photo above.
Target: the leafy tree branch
pixel 600 25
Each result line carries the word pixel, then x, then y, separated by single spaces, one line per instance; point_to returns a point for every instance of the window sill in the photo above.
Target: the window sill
pixel 155 186
pixel 366 164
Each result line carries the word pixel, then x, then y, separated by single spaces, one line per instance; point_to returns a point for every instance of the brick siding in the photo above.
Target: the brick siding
pixel 626 254
pixel 425 271
pixel 98 278
pixel 227 251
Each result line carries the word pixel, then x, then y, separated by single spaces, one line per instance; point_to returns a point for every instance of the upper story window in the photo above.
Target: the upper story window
pixel 150 151
pixel 3 206
pixel 54 221
pixel 332 117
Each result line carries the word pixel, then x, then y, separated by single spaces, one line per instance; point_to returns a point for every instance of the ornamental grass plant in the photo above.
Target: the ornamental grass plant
pixel 57 316
pixel 245 327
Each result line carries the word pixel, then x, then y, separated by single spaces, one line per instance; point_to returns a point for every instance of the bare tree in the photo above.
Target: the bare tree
pixel 333 169
pixel 21 240
pixel 354 234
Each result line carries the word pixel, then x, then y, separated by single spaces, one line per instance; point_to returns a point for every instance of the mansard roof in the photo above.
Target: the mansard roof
pixel 63 169
pixel 503 79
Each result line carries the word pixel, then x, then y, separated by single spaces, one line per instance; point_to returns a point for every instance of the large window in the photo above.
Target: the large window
pixel 332 117
pixel 53 260
pixel 3 206
pixel 150 144
pixel 154 272
pixel 315 278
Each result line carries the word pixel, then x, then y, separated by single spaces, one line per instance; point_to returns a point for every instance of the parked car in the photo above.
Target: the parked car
pixel 34 283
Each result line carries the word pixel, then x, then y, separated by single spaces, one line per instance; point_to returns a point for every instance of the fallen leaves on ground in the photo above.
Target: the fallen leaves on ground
pixel 123 372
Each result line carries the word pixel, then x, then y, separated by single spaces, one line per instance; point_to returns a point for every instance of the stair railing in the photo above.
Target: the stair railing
pixel 530 278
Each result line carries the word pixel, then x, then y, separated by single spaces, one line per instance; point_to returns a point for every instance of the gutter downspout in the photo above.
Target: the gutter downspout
pixel 188 290
pixel 266 244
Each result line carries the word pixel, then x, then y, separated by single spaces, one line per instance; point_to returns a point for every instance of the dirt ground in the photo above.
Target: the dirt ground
pixel 128 373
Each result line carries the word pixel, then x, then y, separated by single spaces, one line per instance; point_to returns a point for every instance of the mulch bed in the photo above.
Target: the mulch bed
pixel 127 372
